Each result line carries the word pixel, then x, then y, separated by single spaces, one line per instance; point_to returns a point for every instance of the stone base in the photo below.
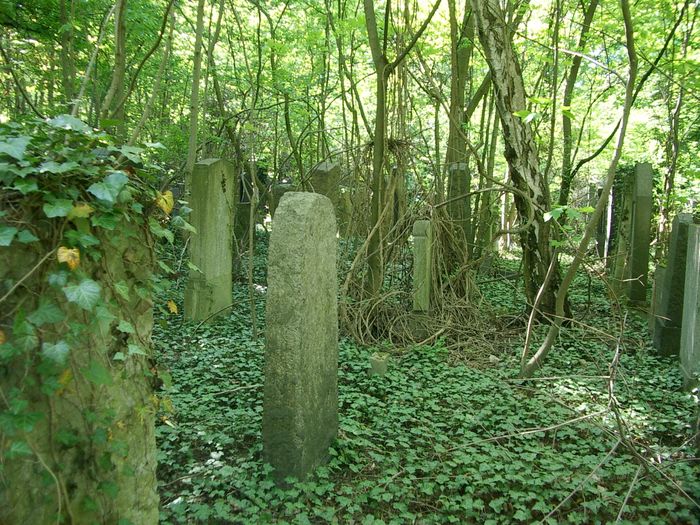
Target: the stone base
pixel 667 338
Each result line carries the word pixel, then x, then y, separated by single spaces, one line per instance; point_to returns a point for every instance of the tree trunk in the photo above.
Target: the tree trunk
pixel 194 96
pixel 532 199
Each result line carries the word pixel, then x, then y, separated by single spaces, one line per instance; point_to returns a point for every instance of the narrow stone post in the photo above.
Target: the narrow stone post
pixel 668 300
pixel 640 234
pixel 690 330
pixel 212 202
pixel 422 257
pixel 300 405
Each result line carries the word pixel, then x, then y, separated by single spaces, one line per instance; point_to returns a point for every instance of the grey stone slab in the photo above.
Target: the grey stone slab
pixel 300 406
pixel 640 234
pixel 668 302
pixel 422 257
pixel 690 329
pixel 212 201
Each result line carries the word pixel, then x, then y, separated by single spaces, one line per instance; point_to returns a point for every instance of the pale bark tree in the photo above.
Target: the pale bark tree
pixel 532 200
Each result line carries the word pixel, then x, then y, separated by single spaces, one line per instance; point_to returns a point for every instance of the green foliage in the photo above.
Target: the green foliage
pixel 430 442
pixel 65 188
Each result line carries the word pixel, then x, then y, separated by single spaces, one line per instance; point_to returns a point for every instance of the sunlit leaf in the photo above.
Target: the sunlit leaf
pixel 70 256
pixel 172 307
pixel 165 202
pixel 81 210
pixel 7 233
pixel 58 208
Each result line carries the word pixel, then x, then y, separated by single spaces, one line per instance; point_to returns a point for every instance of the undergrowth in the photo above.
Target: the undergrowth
pixel 434 441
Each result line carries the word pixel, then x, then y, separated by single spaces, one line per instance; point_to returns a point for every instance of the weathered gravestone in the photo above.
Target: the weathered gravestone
pixel 300 407
pixel 212 200
pixel 640 234
pixel 325 179
pixel 690 330
pixel 668 307
pixel 422 256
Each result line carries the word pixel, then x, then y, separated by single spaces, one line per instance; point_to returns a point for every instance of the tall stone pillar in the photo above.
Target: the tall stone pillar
pixel 669 292
pixel 640 235
pixel 422 257
pixel 690 330
pixel 212 200
pixel 300 405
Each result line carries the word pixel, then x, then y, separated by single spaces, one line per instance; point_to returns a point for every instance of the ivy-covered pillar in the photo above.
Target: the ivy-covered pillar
pixel 76 256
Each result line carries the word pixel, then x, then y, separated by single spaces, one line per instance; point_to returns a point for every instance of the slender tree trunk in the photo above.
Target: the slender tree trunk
pixel 194 96
pixel 116 87
pixel 532 200
pixel 530 364
pixel 571 77
pixel 67 13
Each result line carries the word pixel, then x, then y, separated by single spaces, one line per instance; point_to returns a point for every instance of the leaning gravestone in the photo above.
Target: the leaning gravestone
pixel 422 256
pixel 690 330
pixel 209 289
pixel 668 310
pixel 300 407
pixel 640 234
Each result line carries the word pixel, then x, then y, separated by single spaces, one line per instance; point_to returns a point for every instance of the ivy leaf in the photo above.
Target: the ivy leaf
pixel 25 186
pixel 7 233
pixel 109 188
pixel 132 153
pixel 83 239
pixel 69 122
pixel 172 307
pixel 58 278
pixel 106 221
pixel 70 256
pixel 126 327
pixel 47 312
pixel 58 208
pixel 179 222
pixel 25 237
pixel 19 448
pixel 58 352
pixel 165 201
pixel 54 167
pixel 81 210
pixel 122 288
pixel 15 147
pixel 553 214
pixel 97 374
pixel 136 349
pixel 85 294
pixel 159 231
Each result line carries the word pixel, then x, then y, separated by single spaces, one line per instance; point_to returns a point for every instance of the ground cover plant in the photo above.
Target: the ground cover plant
pixel 602 434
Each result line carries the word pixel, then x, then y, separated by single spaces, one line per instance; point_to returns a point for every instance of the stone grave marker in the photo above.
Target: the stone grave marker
pixel 668 300
pixel 300 406
pixel 212 203
pixel 422 256
pixel 690 329
pixel 325 179
pixel 640 234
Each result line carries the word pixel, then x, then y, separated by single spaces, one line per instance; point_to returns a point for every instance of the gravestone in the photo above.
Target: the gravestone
pixel 212 200
pixel 276 193
pixel 300 406
pixel 657 292
pixel 690 330
pixel 325 179
pixel 422 257
pixel 668 307
pixel 640 234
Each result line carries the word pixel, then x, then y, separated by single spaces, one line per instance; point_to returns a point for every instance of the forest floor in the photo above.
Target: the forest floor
pixel 434 440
